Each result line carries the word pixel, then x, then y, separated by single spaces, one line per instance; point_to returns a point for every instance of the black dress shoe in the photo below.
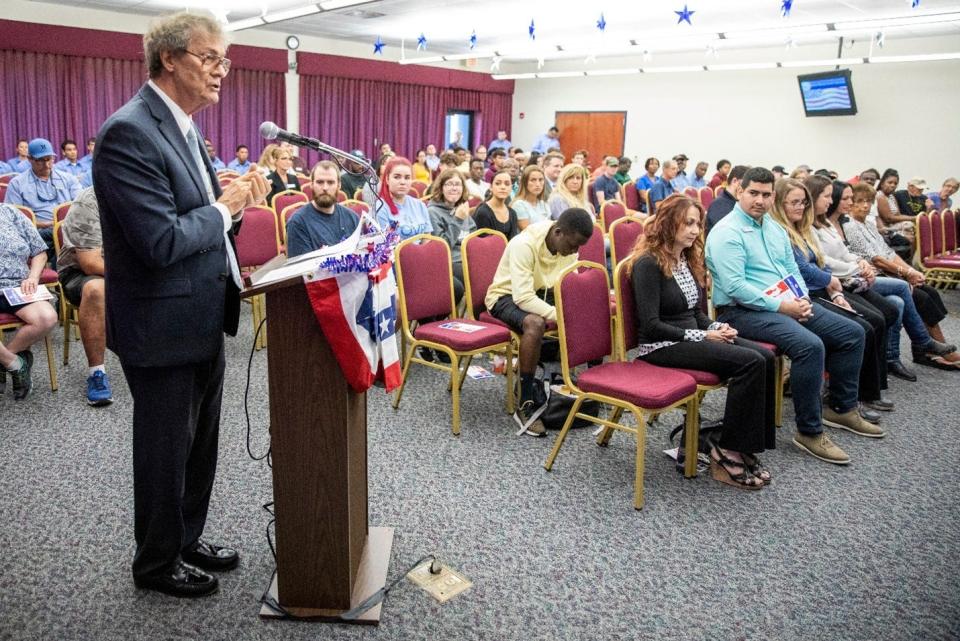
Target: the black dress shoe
pixel 881 405
pixel 211 557
pixel 901 371
pixel 184 580
pixel 869 415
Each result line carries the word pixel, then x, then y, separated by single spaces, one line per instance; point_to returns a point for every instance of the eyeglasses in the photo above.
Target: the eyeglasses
pixel 211 60
pixel 794 204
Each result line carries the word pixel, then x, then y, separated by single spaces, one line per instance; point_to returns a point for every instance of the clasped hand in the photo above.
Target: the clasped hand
pixel 723 334
pixel 799 309
pixel 247 190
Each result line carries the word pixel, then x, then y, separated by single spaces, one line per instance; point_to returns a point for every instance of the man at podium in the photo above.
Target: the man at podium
pixel 172 290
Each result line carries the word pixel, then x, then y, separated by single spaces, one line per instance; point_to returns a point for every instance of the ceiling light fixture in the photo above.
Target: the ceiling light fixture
pixel 247 23
pixel 923 57
pixel 289 14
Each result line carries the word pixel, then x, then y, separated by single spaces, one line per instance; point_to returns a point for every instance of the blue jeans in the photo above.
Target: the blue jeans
pixel 916 329
pixel 826 338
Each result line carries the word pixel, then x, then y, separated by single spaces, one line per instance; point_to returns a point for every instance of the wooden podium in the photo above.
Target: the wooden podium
pixel 328 558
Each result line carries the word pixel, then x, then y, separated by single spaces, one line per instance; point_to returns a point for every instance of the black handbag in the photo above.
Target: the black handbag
pixel 559 406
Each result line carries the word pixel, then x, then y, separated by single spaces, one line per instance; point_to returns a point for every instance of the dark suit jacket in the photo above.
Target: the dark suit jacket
pixel 169 295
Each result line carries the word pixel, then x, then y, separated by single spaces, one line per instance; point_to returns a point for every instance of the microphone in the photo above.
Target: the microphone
pixel 271 131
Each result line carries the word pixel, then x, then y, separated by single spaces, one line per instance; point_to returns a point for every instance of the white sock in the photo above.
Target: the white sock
pixel 17 364
pixel 95 369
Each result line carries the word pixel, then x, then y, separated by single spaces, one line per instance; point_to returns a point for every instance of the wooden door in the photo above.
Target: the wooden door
pixel 601 133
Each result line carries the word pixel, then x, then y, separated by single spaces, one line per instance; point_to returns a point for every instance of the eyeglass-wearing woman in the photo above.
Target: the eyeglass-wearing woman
pixel 282 177
pixel 450 215
pixel 667 274
pixel 793 210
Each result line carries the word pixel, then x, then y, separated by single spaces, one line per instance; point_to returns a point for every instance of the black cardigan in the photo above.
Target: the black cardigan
pixel 662 311
pixel 277 184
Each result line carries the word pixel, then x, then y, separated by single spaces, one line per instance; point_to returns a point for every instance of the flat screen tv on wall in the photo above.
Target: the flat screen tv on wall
pixel 829 93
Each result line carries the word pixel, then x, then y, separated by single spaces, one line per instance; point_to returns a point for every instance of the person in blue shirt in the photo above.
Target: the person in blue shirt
pixel 42 189
pixel 218 164
pixel 5 168
pixel 20 162
pixel 547 141
pixel 322 222
pixel 500 143
pixel 749 255
pixel 942 200
pixel 664 186
pixel 69 164
pixel 241 164
pixel 606 187
pixel 86 178
pixel 697 180
pixel 398 208
pixel 681 180
pixel 649 179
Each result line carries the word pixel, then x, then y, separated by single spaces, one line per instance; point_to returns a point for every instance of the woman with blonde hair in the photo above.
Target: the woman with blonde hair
pixel 531 202
pixel 267 163
pixel 667 275
pixel 570 192
pixel 793 209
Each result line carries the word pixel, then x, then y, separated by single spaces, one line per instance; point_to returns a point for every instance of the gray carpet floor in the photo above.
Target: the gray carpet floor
pixel 866 552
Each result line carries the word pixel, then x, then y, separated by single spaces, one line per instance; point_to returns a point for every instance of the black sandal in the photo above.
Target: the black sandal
pixel 753 464
pixel 720 471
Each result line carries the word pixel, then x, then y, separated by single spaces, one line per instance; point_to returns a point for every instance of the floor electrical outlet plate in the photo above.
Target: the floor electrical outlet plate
pixel 443 586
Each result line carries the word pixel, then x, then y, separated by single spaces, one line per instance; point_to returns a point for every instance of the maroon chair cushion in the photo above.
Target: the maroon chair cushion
pixel 48 276
pixel 629 315
pixel 487 317
pixel 625 236
pixel 637 382
pixel 612 211
pixel 701 377
pixel 593 249
pixel 947 262
pixel 769 347
pixel 7 319
pixel 949 232
pixel 462 341
pixel 257 238
pixel 926 236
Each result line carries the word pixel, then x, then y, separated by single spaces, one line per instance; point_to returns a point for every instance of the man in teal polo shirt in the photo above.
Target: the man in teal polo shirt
pixel 751 260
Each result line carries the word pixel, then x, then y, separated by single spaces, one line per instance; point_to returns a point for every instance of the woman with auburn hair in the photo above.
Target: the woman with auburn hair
pixel 667 274
pixel 451 219
pixel 570 192
pixel 531 203
pixel 408 213
pixel 793 209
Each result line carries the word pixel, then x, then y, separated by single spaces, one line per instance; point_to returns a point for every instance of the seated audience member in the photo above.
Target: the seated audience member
pixel 241 161
pixel 606 187
pixel 865 241
pixel 297 164
pixel 282 178
pixel 748 254
pixel 868 176
pixel 664 186
pixel 448 160
pixel 5 168
pixel 552 166
pixel 501 142
pixel 623 170
pixel 80 270
pixel 724 203
pixel 512 167
pixel 384 157
pixel 860 278
pixel 681 180
pixel 793 210
pixel 535 159
pixel 451 220
pixel 570 192
pixel 646 182
pixel 495 213
pixel 87 160
pixel 896 229
pixel 463 160
pixel 800 172
pixel 352 177
pixel 475 184
pixel 547 141
pixel 497 157
pixel 697 180
pixel 398 208
pixel 720 178
pixel 456 141
pixel 521 159
pixel 322 222
pixel 432 160
pixel 531 201
pixel 212 152
pixel 86 178
pixel 532 263
pixel 21 161
pixel 942 200
pixel 580 158
pixel 420 170
pixel 266 163
pixel 41 189
pixel 912 201
pixel 667 274
pixel 22 259
pixel 480 153
pixel 778 172
pixel 69 164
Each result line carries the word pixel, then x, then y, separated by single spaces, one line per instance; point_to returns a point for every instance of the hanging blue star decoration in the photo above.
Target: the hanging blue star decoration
pixel 422 43
pixel 685 15
pixel 378 47
pixel 785 7
pixel 473 40
pixel 532 30
pixel 602 23
pixel 914 4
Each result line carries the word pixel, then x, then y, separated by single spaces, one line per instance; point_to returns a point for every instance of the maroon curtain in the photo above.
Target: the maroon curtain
pixel 354 113
pixel 55 97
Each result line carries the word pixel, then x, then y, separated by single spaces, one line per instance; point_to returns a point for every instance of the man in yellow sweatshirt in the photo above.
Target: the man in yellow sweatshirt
pixel 532 263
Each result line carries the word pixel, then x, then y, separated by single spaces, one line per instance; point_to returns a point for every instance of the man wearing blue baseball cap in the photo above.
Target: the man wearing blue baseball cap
pixel 42 188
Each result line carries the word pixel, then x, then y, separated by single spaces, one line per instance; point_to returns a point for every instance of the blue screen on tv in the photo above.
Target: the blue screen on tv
pixel 828 94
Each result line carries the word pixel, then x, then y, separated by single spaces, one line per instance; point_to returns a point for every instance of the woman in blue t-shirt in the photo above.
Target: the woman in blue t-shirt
pixel 407 212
